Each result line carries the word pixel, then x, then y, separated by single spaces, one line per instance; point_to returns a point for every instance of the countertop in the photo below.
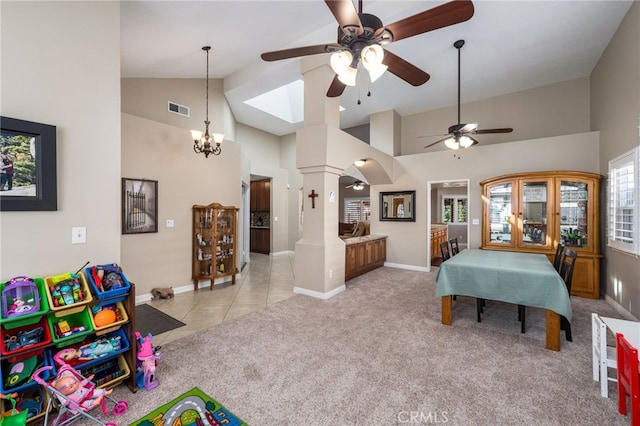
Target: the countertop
pixel 356 240
pixel 259 227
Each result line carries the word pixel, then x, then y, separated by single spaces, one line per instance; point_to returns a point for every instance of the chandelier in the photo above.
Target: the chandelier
pixel 202 142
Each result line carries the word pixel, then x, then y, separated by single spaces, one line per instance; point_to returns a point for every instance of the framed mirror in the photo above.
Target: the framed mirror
pixel 398 206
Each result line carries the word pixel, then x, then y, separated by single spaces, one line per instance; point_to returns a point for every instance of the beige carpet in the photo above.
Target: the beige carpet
pixel 378 355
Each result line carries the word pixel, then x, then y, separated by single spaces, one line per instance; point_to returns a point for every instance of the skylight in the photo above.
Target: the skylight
pixel 285 102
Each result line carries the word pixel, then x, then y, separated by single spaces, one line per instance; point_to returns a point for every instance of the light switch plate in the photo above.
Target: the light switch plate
pixel 169 223
pixel 78 235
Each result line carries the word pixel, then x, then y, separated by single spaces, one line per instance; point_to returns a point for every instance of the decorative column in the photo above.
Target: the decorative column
pixel 320 253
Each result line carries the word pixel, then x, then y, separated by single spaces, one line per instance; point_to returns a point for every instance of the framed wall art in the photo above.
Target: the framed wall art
pixel 28 181
pixel 139 206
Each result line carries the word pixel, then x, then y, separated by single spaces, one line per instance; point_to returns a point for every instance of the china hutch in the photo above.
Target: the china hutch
pixel 214 243
pixel 533 212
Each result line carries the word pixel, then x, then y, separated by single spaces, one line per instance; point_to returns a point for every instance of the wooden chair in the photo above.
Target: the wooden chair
pixel 603 356
pixel 557 260
pixel 454 246
pixel 628 379
pixel 566 272
pixel 444 249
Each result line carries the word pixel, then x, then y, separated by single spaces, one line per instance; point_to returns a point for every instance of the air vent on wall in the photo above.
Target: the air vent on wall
pixel 178 109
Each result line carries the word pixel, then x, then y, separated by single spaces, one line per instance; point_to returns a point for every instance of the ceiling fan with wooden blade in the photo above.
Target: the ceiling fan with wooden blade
pixel 459 135
pixel 361 35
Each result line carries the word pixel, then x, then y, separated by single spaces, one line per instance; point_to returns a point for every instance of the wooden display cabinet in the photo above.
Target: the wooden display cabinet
pixel 533 212
pixel 214 243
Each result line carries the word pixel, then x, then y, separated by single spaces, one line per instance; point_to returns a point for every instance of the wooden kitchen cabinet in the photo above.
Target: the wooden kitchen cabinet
pixel 260 200
pixel 363 254
pixel 533 212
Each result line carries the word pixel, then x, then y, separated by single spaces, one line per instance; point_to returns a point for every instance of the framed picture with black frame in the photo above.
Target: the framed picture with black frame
pixel 28 162
pixel 139 206
pixel 398 206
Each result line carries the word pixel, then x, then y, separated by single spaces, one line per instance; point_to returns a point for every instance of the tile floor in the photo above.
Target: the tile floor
pixel 264 280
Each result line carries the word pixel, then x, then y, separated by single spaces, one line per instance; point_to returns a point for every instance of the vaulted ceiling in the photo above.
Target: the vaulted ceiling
pixel 510 46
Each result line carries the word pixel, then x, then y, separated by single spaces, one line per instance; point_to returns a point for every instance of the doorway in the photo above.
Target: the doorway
pixel 447 209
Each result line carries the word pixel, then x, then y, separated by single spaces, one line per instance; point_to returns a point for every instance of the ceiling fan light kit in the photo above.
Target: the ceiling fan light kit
pixel 361 36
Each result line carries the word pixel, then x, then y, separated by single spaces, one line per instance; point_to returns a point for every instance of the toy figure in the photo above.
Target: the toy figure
pixel 77 390
pixel 147 359
pixel 89 351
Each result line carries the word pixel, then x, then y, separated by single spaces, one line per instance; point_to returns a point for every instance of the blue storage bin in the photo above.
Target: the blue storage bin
pixel 19 370
pixel 101 293
pixel 124 346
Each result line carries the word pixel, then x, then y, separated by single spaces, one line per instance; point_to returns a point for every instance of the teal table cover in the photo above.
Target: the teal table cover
pixel 520 278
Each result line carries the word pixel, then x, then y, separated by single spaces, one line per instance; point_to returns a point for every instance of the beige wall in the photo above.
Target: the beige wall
pixel 556 109
pixel 157 151
pixel 47 77
pixel 615 112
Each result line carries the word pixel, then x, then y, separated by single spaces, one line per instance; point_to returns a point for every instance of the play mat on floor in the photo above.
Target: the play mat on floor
pixel 189 408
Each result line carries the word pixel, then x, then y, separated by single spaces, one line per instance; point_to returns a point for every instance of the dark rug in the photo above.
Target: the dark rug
pixel 151 320
pixel 191 408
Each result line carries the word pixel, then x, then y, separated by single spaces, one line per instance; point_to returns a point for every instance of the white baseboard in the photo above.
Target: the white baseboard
pixel 409 267
pixel 142 298
pixel 282 253
pixel 618 307
pixel 319 295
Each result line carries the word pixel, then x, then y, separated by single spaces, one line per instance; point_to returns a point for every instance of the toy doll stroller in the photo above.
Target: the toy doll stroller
pixel 74 396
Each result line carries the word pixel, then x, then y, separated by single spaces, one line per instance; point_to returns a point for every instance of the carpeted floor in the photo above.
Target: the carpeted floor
pixel 377 354
pixel 151 320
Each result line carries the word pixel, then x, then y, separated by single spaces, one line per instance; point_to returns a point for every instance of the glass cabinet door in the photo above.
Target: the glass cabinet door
pixel 534 214
pixel 501 217
pixel 225 228
pixel 574 214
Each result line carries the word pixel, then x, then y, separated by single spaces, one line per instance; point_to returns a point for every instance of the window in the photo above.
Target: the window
pixel 454 209
pixel 624 193
pixel 356 209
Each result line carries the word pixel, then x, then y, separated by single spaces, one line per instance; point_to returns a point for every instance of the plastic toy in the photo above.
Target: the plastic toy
pixel 74 395
pixel 13 417
pixel 93 350
pixel 66 291
pixel 62 329
pixel 147 361
pixel 19 297
pixel 20 371
pixel 107 277
pixel 23 339
pixel 31 402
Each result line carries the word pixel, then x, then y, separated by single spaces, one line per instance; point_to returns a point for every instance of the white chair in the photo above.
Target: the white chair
pixel 604 357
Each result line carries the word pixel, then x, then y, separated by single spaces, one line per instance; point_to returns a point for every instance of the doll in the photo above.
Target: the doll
pixel 89 351
pixel 75 388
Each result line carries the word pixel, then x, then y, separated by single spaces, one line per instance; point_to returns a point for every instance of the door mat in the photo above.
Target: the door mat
pixel 151 320
pixel 191 408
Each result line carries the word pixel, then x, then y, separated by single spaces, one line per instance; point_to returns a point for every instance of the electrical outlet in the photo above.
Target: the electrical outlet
pixel 331 273
pixel 169 223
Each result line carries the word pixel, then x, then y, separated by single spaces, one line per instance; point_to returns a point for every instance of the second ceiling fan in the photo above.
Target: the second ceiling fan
pixel 361 36
pixel 459 135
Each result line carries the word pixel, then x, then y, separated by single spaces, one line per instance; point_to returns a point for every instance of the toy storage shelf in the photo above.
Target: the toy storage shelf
pixel 214 243
pixel 126 360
